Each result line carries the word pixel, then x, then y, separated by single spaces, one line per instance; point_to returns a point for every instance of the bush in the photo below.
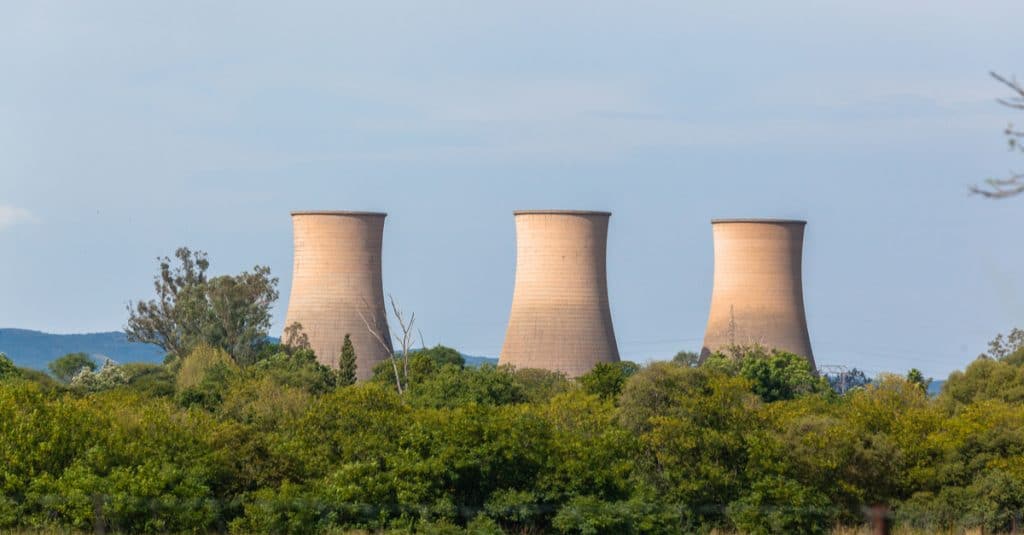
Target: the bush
pixel 776 505
pixel 68 366
pixel 452 386
pixel 7 368
pixel 299 369
pixel 109 376
pixel 607 378
pixel 775 376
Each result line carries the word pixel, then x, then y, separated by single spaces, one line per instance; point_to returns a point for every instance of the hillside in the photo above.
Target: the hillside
pixel 35 349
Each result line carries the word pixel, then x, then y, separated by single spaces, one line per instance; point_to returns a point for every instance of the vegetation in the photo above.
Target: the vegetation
pixel 347 363
pixel 7 368
pixel 236 434
pixel 750 442
pixel 67 367
pixel 229 312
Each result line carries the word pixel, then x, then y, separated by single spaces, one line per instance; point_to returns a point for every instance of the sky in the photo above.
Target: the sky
pixel 128 129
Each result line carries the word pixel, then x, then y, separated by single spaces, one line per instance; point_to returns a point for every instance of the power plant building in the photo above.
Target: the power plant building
pixel 560 318
pixel 337 285
pixel 758 290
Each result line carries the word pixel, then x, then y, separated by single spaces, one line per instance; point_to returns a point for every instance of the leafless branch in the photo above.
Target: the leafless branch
pixel 383 342
pixel 406 339
pixel 1001 188
pixel 1016 101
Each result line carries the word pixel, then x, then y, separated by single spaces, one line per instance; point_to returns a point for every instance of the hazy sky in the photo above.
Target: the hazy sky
pixel 129 128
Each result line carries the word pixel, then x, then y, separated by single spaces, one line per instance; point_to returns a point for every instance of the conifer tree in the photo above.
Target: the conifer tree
pixel 347 363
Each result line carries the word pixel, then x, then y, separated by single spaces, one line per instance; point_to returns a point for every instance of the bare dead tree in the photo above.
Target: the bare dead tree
pixel 1000 188
pixel 383 342
pixel 405 341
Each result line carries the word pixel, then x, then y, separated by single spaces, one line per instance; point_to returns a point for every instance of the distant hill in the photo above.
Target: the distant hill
pixel 34 349
pixel 476 362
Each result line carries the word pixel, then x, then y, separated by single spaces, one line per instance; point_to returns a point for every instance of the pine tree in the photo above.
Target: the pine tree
pixel 347 363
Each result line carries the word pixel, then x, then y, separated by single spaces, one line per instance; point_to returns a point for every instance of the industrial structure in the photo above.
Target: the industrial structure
pixel 560 318
pixel 337 286
pixel 758 290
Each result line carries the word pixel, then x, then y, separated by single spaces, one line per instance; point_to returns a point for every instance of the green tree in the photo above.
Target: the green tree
pixel 985 379
pixel 347 363
pixel 299 369
pixel 442 355
pixel 916 377
pixel 204 377
pixel 540 386
pixel 452 387
pixel 66 367
pixel 687 358
pixel 7 368
pixel 775 376
pixel 230 312
pixel 776 505
pixel 696 427
pixel 152 380
pixel 606 379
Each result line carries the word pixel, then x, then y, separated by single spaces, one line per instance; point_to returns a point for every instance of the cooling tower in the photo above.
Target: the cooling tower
pixel 560 318
pixel 758 291
pixel 336 283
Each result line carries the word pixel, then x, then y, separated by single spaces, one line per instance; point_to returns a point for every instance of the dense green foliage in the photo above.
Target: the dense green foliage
pixel 774 375
pixel 754 443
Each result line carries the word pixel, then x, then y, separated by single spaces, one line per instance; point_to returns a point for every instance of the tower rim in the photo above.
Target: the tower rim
pixel 766 220
pixel 339 213
pixel 561 212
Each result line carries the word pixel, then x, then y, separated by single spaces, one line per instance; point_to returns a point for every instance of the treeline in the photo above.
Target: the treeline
pixel 754 443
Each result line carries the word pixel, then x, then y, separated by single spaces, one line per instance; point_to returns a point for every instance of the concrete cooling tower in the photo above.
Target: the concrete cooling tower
pixel 758 290
pixel 560 317
pixel 336 283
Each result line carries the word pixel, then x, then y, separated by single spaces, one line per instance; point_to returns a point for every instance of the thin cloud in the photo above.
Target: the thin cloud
pixel 12 215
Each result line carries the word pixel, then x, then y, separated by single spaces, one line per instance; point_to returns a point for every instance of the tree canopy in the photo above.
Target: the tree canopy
pixel 229 312
pixel 66 367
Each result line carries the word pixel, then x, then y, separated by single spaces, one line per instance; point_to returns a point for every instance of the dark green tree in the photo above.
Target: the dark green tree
pixel 7 368
pixel 607 378
pixel 347 363
pixel 915 376
pixel 66 367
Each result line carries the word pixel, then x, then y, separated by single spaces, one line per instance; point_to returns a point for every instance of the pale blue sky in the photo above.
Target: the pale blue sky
pixel 129 128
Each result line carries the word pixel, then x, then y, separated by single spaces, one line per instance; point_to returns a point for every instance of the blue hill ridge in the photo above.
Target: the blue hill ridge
pixel 35 349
